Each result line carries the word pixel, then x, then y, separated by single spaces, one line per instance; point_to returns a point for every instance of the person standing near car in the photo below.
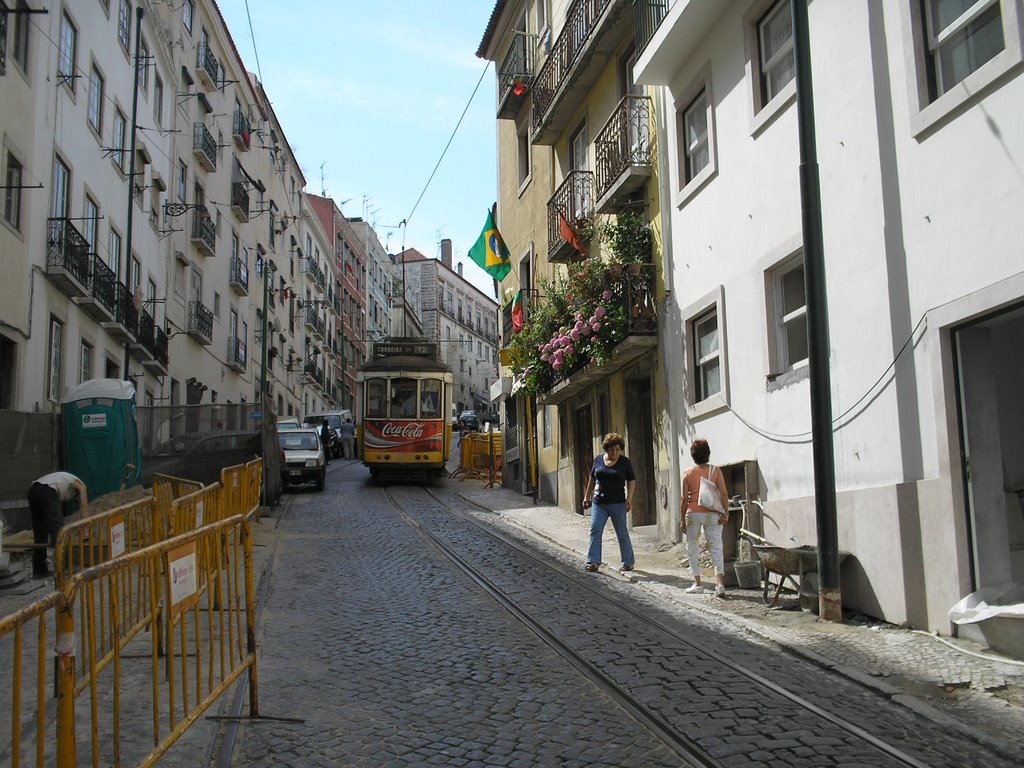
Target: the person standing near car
pixel 45 501
pixel 348 438
pixel 610 490
pixel 325 438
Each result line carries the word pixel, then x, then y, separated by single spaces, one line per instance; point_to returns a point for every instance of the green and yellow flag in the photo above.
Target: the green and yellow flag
pixel 490 252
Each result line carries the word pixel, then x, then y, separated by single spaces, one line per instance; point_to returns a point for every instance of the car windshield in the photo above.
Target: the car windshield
pixel 298 441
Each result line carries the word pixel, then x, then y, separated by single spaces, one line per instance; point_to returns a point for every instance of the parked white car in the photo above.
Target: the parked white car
pixel 304 460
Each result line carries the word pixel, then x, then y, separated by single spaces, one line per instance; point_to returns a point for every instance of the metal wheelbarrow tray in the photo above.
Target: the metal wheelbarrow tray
pixel 786 563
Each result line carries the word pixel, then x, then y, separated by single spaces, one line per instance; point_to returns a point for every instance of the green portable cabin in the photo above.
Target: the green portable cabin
pixel 101 437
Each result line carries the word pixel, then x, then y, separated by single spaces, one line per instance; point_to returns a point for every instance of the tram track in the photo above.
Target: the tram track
pixel 649 717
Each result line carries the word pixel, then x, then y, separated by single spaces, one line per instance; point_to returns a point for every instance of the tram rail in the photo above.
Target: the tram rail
pixel 688 749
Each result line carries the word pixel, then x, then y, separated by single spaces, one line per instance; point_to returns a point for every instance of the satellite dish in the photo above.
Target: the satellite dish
pixel 277 325
pixel 137 299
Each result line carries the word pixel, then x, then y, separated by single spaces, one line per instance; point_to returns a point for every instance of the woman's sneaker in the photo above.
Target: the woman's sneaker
pixel 720 590
pixel 696 589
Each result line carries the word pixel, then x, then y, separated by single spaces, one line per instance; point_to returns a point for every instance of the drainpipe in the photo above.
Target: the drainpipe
pixel 830 603
pixel 131 170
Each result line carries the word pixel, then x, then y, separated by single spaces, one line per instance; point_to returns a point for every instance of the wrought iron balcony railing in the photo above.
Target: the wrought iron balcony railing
pixel 515 75
pixel 207 66
pixel 204 231
pixel 200 322
pixel 237 353
pixel 104 284
pixel 241 130
pixel 648 15
pixel 127 313
pixel 315 272
pixel 240 201
pixel 239 276
pixel 204 146
pixel 624 151
pixel 573 201
pixel 67 257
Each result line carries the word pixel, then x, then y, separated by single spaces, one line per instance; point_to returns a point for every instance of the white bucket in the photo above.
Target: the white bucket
pixel 748 573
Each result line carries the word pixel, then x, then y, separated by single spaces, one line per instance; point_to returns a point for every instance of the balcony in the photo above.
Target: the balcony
pixel 573 201
pixel 207 67
pixel 67 258
pixel 158 364
pixel 144 345
pixel 593 32
pixel 200 323
pixel 241 131
pixel 634 293
pixel 204 231
pixel 315 272
pixel 515 76
pixel 204 146
pixel 648 15
pixel 315 324
pixel 239 276
pixel 625 156
pixel 240 201
pixel 237 355
pixel 125 325
pixel 101 301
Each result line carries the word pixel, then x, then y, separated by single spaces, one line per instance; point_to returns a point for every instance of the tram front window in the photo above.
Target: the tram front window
pixel 376 400
pixel 403 398
pixel 431 400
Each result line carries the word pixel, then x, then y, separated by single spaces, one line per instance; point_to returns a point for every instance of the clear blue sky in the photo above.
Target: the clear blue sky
pixel 373 91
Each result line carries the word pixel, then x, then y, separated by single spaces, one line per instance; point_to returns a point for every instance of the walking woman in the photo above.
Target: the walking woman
pixel 610 490
pixel 694 516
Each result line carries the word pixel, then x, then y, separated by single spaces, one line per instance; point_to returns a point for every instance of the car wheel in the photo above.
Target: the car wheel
pixel 321 480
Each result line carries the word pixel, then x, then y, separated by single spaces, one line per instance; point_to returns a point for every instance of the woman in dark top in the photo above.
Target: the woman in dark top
pixel 610 489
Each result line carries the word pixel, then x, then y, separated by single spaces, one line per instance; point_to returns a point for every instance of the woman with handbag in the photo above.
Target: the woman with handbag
pixel 704 505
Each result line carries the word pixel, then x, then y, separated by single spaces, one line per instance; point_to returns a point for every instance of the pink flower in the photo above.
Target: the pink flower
pixel 557 364
pixel 570 349
pixel 593 359
pixel 607 295
pixel 596 327
pixel 600 312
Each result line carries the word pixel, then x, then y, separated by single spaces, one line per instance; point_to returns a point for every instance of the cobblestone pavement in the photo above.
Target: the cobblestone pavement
pixel 953 682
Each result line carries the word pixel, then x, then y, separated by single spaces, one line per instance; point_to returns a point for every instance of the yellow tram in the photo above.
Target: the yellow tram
pixel 407 396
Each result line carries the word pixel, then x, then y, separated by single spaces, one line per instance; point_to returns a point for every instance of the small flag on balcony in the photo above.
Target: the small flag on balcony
pixel 517 312
pixel 518 87
pixel 246 134
pixel 570 236
pixel 489 251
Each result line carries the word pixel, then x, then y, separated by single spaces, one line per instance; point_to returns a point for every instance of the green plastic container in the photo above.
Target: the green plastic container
pixel 101 437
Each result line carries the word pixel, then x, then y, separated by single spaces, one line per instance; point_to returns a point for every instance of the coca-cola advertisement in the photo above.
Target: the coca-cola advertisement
pixel 403 436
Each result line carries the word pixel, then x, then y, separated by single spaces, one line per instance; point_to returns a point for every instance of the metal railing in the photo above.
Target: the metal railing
pixel 204 146
pixel 240 200
pixel 104 284
pixel 239 273
pixel 580 21
pixel 200 321
pixel 624 141
pixel 67 249
pixel 574 200
pixel 516 67
pixel 204 231
pixel 126 313
pixel 647 17
pixel 237 353
pixel 206 62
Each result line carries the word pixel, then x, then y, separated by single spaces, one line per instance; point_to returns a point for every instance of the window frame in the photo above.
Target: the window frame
pixel 21 37
pixel 91 221
pixel 684 100
pixel 14 178
pixel 777 320
pixel 97 93
pixel 85 354
pixel 54 364
pixel 63 189
pixel 188 14
pixel 929 112
pixel 67 35
pixel 691 149
pixel 712 303
pixel 787 50
pixel 124 25
pixel 118 135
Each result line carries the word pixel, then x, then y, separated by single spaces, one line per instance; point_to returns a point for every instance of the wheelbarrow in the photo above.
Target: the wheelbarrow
pixel 786 564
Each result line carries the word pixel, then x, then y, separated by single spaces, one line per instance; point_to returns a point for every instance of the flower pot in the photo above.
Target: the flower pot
pixel 615 269
pixel 633 269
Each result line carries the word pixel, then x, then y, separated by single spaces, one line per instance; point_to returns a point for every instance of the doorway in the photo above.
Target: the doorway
pixel 990 373
pixel 583 451
pixel 641 450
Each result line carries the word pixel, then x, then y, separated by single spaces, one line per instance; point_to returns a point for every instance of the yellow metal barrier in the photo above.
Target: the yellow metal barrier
pixel 22 634
pixel 481 456
pixel 118 576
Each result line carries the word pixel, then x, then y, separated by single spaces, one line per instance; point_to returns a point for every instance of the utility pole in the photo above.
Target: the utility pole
pixel 131 174
pixel 268 269
pixel 830 602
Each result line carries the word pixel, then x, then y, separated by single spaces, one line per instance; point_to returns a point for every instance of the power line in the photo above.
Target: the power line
pixel 450 139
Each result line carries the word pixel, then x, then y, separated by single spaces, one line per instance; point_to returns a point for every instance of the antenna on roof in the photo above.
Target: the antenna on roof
pixel 323 189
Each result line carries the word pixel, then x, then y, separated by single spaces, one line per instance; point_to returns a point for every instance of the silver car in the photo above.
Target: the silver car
pixel 304 460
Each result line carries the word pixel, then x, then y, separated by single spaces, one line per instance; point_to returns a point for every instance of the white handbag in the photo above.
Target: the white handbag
pixel 710 497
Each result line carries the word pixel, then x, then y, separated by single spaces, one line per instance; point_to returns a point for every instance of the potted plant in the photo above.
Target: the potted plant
pixel 629 240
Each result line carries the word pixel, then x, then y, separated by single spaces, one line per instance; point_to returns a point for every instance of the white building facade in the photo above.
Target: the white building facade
pixel 920 151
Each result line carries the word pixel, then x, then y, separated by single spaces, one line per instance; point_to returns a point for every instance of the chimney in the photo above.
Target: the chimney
pixel 458 268
pixel 446 252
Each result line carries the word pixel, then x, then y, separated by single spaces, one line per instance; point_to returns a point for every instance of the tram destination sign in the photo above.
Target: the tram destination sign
pixel 396 347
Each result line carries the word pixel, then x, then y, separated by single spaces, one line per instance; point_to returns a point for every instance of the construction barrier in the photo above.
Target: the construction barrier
pixel 481 457
pixel 151 628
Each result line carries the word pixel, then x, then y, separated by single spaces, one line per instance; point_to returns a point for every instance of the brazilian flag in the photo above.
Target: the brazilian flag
pixel 489 251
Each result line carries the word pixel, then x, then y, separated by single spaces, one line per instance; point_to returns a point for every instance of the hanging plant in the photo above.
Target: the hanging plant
pixel 628 238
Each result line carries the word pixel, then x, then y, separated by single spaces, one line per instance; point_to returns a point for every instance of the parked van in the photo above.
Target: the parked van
pixel 334 421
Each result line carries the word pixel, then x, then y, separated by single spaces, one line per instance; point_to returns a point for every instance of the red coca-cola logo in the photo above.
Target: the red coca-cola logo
pixel 411 430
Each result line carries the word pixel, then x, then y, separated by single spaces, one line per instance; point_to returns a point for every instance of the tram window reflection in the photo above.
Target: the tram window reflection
pixel 403 398
pixel 430 399
pixel 376 400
